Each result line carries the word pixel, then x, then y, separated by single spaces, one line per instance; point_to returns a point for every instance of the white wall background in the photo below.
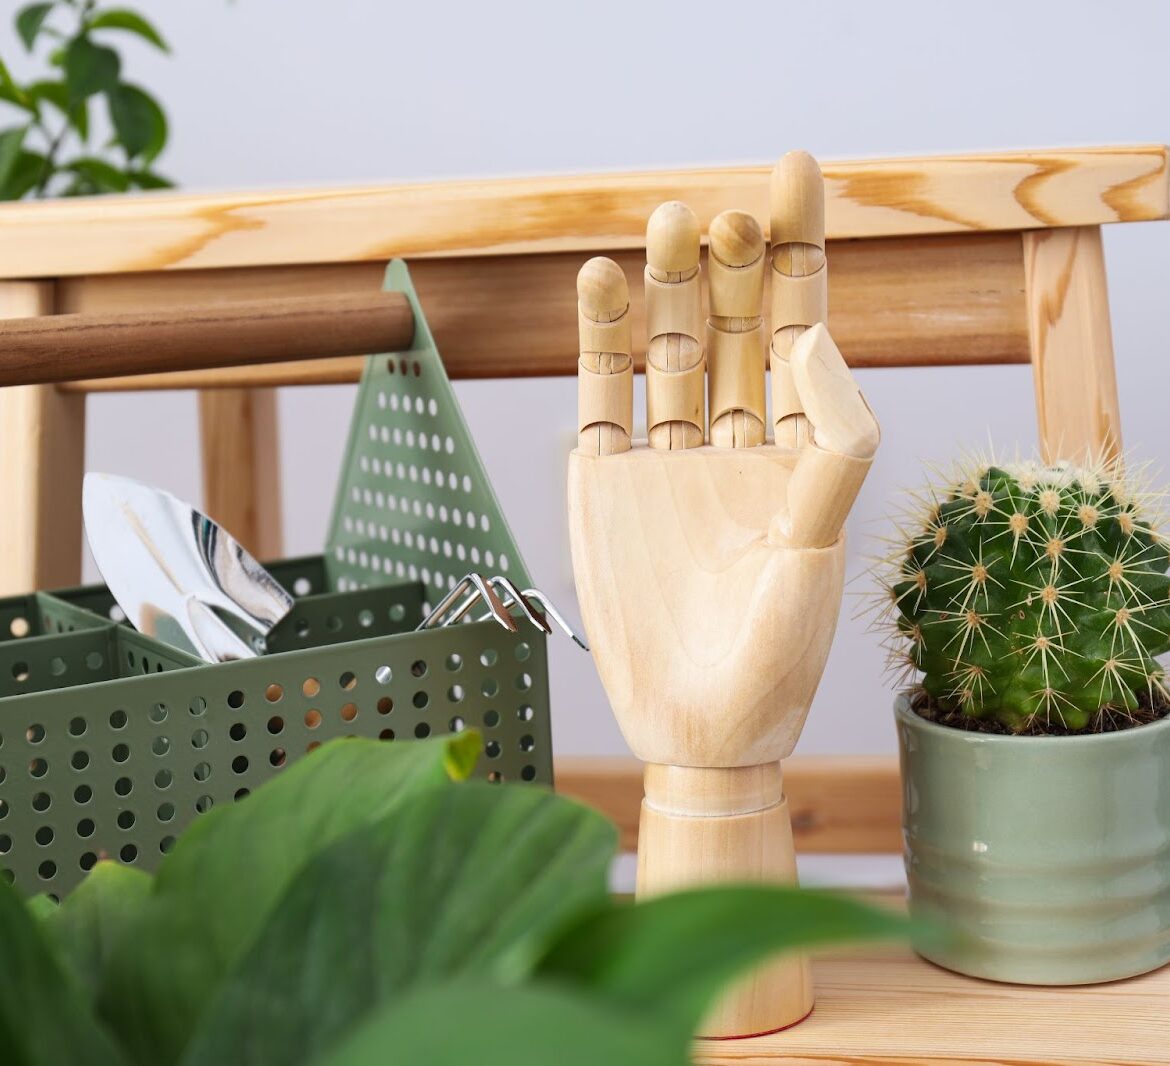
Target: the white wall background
pixel 292 92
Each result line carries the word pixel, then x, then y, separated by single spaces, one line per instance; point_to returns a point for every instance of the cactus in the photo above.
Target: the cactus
pixel 1033 596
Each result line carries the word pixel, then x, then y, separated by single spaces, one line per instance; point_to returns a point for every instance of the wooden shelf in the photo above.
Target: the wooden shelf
pixel 887 1006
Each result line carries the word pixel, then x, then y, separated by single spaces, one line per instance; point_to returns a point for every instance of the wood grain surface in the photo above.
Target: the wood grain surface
pixel 839 804
pixel 1072 344
pixel 597 212
pixel 61 347
pixel 884 1006
pixel 239 439
pixel 42 461
pixel 926 301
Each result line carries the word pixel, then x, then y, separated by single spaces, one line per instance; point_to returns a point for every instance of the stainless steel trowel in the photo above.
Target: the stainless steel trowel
pixel 177 574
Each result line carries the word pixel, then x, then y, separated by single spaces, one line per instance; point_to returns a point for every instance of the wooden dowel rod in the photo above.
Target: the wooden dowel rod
pixel 71 347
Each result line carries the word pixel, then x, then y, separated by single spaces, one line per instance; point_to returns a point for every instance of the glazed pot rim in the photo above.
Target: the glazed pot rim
pixel 903 711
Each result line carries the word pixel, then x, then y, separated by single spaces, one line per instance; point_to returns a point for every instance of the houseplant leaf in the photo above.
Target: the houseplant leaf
pixel 532 1025
pixel 138 121
pixel 92 920
pixel 216 888
pixel 99 174
pixel 670 956
pixel 149 179
pixel 467 880
pixel 27 173
pixel 132 22
pixel 89 68
pixel 13 93
pixel 29 21
pixel 11 145
pixel 44 1019
pixel 57 94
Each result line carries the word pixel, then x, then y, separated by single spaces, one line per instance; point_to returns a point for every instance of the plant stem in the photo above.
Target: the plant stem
pixel 54 142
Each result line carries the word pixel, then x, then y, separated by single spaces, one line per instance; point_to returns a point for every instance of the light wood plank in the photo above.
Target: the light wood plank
pixel 1072 343
pixel 241 466
pixel 599 212
pixel 839 804
pixel 884 1006
pixel 921 301
pixel 42 462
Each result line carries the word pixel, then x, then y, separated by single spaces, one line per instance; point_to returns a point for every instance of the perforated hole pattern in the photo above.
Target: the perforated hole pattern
pixel 414 502
pixel 122 772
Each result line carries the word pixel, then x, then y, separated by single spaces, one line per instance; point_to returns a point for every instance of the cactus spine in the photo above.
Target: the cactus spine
pixel 1035 596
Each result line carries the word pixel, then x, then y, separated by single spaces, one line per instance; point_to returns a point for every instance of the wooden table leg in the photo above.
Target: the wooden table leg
pixel 1072 343
pixel 42 462
pixel 241 466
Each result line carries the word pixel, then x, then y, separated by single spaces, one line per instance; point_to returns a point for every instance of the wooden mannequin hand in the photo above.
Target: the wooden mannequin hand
pixel 709 575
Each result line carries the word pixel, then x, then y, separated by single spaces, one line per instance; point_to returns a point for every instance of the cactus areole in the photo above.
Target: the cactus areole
pixel 1033 598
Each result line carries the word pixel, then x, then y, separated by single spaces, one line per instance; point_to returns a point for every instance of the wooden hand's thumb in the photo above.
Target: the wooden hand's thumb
pixel 831 466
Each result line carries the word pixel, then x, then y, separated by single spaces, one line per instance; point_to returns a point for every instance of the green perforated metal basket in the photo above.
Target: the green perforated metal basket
pixel 111 742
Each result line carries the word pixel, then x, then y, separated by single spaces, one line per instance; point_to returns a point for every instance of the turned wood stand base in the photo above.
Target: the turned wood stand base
pixel 701 825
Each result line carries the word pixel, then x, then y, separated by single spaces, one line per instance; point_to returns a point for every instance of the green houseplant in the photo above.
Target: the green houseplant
pixel 367 907
pixel 79 127
pixel 1029 604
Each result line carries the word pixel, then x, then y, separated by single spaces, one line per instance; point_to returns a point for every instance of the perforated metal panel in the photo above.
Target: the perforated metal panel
pixel 111 743
pixel 118 767
pixel 413 500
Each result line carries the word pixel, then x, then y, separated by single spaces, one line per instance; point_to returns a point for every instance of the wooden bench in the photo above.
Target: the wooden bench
pixel 989 258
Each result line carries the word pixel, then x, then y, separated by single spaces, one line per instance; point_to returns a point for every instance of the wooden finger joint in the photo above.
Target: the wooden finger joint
pixel 605 398
pixel 736 378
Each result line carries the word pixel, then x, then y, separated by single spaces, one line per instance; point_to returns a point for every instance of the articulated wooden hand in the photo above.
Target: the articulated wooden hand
pixel 709 574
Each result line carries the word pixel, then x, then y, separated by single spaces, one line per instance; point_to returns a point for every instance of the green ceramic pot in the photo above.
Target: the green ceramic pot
pixel 1049 857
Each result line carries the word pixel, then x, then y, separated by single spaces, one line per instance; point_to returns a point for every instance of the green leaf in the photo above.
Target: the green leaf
pixel 44 1020
pixel 90 68
pixel 539 1024
pixel 98 175
pixel 57 94
pixel 121 19
pixel 138 121
pixel 26 175
pixel 29 21
pixel 41 906
pixel 149 179
pixel 215 890
pixel 94 917
pixel 470 880
pixel 13 93
pixel 11 145
pixel 672 955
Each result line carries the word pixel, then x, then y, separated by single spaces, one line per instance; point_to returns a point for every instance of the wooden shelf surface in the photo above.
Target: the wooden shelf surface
pixel 884 1005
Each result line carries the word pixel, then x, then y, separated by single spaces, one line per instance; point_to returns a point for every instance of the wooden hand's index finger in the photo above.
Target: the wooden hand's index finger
pixel 605 388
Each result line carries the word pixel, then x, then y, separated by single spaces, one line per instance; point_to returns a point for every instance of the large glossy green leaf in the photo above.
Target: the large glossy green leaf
pixel 93 919
pixel 480 1024
pixel 29 21
pixel 215 890
pixel 138 121
pixel 11 145
pixel 472 879
pixel 44 1019
pixel 671 956
pixel 90 68
pixel 132 22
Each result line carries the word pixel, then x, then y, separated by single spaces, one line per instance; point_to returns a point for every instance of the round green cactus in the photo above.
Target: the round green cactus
pixel 1035 596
